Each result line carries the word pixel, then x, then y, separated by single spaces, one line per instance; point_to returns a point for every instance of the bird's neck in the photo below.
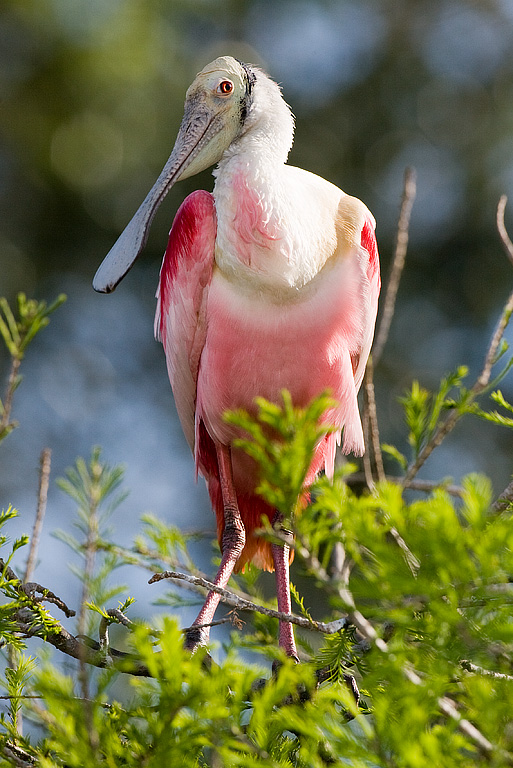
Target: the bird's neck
pixel 252 203
pixel 253 246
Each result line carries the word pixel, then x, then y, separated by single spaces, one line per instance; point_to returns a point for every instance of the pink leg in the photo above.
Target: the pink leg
pixel 234 538
pixel 281 566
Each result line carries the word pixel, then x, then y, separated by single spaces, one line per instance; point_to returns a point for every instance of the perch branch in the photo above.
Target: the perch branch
pixel 138 555
pixel 246 605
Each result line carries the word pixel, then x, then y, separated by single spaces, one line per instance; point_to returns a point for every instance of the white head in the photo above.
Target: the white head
pixel 229 105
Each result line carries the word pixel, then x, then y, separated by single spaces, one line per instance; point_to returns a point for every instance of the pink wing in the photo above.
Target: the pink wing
pixel 180 320
pixel 365 319
pixel 368 242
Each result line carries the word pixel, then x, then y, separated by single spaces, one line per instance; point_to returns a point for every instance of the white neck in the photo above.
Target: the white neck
pixel 269 126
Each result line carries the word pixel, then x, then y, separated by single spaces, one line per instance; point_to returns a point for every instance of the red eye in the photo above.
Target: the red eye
pixel 225 87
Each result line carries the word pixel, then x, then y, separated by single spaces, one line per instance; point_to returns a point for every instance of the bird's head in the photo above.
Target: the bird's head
pixel 226 101
pixel 216 107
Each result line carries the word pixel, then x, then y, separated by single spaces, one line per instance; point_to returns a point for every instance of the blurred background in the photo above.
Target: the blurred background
pixel 91 97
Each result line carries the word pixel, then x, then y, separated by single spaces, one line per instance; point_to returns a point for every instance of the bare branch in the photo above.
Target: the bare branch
pixel 103 630
pixel 44 479
pixel 371 419
pixel 504 499
pixel 246 605
pixel 137 555
pixel 409 192
pixel 503 233
pixel 426 486
pixel 32 588
pixel 470 667
pixel 17 756
pixel 367 463
pixel 46 596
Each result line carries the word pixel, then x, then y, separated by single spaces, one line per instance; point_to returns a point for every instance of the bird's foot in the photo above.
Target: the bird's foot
pixel 195 638
pixel 277 663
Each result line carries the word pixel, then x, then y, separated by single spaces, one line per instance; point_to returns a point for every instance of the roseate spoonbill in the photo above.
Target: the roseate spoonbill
pixel 271 282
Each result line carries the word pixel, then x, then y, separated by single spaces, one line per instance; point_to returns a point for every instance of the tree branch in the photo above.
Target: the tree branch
pixel 505 499
pixel 483 379
pixel 357 480
pixel 44 479
pixel 17 756
pixel 470 667
pixel 503 233
pixel 371 419
pixel 401 246
pixel 229 598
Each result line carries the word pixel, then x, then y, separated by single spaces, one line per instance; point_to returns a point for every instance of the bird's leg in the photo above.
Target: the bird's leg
pixel 232 544
pixel 280 554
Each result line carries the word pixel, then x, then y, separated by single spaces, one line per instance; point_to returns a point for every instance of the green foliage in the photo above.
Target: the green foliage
pixel 17 334
pixel 33 316
pixel 95 488
pixel 16 681
pixel 422 410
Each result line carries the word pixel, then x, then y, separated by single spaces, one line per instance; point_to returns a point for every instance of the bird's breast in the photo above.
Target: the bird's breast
pixel 271 232
pixel 257 346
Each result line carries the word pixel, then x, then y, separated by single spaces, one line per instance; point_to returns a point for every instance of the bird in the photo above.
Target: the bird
pixel 269 282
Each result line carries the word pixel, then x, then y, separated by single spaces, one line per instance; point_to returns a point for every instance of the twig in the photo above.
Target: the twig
pixel 17 756
pixel 246 605
pixel 470 667
pixel 32 588
pixel 32 556
pixel 474 734
pixel 135 557
pixel 46 596
pixel 412 562
pixel 409 192
pixel 367 463
pixel 103 630
pixel 371 418
pixel 44 479
pixel 503 233
pixel 484 377
pixel 6 425
pixel 426 486
pixel 504 500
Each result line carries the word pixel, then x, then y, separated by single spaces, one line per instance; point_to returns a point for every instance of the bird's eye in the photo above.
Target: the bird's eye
pixel 225 87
